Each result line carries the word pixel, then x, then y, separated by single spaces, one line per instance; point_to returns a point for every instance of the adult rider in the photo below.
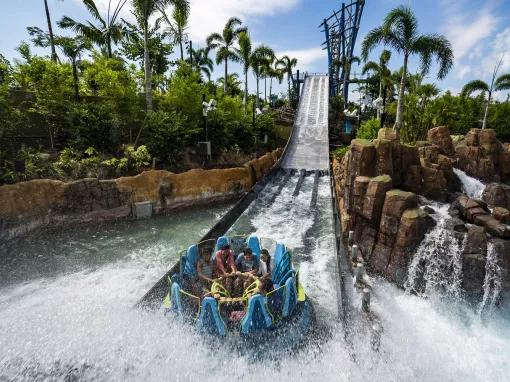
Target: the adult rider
pixel 224 265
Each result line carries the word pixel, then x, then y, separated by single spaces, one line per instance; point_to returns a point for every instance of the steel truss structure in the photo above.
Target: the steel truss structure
pixel 341 30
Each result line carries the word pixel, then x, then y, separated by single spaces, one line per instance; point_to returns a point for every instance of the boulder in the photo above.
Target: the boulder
pixel 501 214
pixel 434 184
pixel 384 156
pixel 388 134
pixel 374 199
pixel 395 203
pixel 429 153
pixel 472 137
pixel 359 192
pixel 412 179
pixel 502 250
pixel 497 195
pixel 362 158
pixel 476 241
pixel 413 226
pixel 440 136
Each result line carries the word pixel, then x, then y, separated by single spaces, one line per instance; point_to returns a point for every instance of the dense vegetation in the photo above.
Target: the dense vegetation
pixel 108 99
pixel 414 106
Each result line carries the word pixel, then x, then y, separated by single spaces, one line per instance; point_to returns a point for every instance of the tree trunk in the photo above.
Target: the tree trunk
pixel 75 80
pixel 288 84
pixel 109 46
pixel 245 98
pixel 257 97
pixel 147 67
pixel 265 89
pixel 380 96
pixel 50 30
pixel 226 75
pixel 400 104
pixel 486 114
pixel 270 88
pixel 182 50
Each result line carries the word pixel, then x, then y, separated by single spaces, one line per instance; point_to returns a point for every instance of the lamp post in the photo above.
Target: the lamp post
pixel 206 108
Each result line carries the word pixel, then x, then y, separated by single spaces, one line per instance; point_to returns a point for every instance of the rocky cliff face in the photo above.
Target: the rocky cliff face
pixel 378 184
pixel 28 205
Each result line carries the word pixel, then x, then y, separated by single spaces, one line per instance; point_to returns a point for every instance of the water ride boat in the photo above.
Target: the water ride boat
pixel 281 309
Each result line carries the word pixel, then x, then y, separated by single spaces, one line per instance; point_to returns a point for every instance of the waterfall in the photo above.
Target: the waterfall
pixel 492 283
pixel 472 187
pixel 437 263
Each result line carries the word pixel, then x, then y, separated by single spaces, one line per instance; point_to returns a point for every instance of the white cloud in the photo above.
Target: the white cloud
pixel 305 57
pixel 466 32
pixel 209 16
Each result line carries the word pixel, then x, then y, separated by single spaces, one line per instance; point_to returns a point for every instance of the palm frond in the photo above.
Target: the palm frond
pixel 371 40
pixel 92 8
pixel 473 86
pixel 370 66
pixel 502 82
pixel 431 45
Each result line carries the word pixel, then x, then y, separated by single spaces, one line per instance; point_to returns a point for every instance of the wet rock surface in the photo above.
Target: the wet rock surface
pixel 378 184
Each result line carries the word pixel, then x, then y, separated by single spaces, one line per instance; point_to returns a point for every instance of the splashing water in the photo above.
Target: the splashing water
pixel 472 187
pixel 492 283
pixel 437 263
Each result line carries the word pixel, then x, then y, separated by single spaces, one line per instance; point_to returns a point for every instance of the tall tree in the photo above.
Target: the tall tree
pixel 382 71
pixel 259 58
pixel 107 32
pixel 73 47
pixel 400 31
pixel 346 64
pixel 274 72
pixel 143 10
pixel 288 64
pixel 201 61
pixel 500 83
pixel 178 22
pixel 54 56
pixel 244 54
pixel 224 42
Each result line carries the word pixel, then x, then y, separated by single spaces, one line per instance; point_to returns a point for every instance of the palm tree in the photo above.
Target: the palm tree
pixel 400 31
pixel 54 56
pixel 382 71
pixel 108 32
pixel 274 72
pixel 259 59
pixel 500 83
pixel 234 85
pixel 287 65
pixel 244 54
pixel 178 22
pixel 267 72
pixel 346 64
pixel 202 61
pixel 73 47
pixel 225 42
pixel 143 10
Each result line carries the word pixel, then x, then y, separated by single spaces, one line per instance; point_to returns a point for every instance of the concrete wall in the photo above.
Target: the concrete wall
pixel 29 205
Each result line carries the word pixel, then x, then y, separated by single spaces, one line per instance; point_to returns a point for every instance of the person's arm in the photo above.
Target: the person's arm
pixel 199 272
pixel 262 268
pixel 231 262
pixel 219 262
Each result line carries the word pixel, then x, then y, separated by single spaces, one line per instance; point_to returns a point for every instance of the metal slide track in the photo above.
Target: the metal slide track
pixel 306 152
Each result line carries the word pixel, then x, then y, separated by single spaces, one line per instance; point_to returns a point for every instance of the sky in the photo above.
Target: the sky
pixel 478 30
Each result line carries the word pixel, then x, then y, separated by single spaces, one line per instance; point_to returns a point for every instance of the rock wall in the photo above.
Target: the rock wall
pixel 377 188
pixel 28 205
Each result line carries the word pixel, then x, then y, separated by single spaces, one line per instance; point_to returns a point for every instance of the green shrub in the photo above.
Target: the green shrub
pixel 368 129
pixel 339 152
pixel 166 135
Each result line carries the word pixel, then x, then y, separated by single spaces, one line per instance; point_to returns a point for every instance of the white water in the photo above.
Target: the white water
pixel 436 266
pixel 492 284
pixel 472 187
pixel 78 323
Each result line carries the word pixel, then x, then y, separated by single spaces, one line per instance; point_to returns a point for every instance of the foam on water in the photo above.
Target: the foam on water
pixel 437 263
pixel 80 324
pixel 472 187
